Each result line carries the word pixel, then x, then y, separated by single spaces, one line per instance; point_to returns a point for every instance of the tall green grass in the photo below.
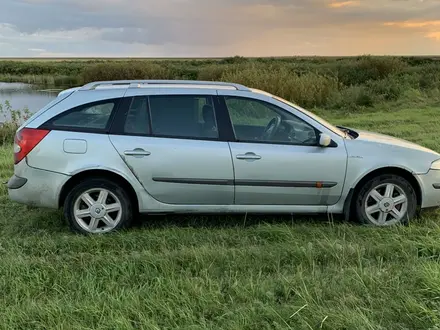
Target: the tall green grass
pixel 121 71
pixel 347 84
pixel 10 120
pixel 309 89
pixel 225 272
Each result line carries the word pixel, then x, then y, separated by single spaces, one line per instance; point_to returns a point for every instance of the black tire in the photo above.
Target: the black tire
pixel 126 208
pixel 396 180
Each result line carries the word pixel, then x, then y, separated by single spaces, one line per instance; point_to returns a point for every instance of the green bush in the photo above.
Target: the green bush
pixel 122 71
pixel 369 68
pixel 7 133
pixel 352 98
pixel 234 60
pixel 213 72
pixel 430 79
pixel 308 90
pixel 388 89
pixel 10 120
pixel 183 72
pixel 41 67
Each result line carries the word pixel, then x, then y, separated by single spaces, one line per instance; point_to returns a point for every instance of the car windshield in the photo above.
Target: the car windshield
pixel 323 122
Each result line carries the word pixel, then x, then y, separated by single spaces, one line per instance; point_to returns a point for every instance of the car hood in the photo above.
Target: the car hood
pixel 392 141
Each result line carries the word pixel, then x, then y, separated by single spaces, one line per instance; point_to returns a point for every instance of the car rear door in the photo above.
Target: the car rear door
pixel 173 146
pixel 288 168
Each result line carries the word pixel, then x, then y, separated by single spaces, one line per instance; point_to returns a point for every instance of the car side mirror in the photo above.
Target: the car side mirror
pixel 324 140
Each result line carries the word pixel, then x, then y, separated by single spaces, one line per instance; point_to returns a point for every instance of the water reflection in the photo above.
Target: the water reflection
pixel 22 96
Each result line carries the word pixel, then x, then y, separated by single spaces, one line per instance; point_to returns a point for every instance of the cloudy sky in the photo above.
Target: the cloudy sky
pixel 218 27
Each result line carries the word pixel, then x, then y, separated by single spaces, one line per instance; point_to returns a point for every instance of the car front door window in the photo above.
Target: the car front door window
pixel 258 121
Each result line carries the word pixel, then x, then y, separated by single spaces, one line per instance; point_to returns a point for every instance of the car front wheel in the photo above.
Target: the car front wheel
pixel 97 206
pixel 385 201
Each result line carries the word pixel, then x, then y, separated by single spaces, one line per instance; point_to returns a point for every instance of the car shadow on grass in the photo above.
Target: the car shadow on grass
pixel 236 220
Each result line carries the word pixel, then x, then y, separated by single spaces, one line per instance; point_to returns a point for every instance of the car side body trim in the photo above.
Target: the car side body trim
pixel 253 183
pixel 284 183
pixel 215 182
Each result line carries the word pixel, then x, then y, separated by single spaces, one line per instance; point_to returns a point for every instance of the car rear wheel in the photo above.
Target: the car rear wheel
pixel 97 206
pixel 385 201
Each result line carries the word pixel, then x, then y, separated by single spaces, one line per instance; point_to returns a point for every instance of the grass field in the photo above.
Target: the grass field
pixel 186 272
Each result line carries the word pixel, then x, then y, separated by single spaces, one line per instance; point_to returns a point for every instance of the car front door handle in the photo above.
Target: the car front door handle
pixel 137 152
pixel 249 156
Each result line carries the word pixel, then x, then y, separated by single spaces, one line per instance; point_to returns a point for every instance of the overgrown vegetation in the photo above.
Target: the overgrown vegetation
pixel 222 272
pixel 10 120
pixel 347 84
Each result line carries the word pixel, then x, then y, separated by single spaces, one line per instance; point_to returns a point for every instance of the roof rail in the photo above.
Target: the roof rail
pixel 139 83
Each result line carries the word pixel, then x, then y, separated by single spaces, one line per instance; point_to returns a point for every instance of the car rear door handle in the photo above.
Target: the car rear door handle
pixel 137 152
pixel 249 156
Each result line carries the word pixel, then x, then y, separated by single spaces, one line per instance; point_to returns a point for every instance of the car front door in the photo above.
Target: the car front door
pixel 171 143
pixel 276 156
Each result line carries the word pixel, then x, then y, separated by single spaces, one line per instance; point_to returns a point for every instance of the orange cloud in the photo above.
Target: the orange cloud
pixel 430 27
pixel 434 35
pixel 343 4
pixel 409 24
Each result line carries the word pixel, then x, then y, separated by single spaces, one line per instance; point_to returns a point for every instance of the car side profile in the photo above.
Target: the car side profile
pixel 107 151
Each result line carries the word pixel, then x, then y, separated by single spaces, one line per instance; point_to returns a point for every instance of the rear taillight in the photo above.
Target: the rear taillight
pixel 25 140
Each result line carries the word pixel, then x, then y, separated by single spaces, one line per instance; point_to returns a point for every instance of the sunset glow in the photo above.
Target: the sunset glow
pixel 434 35
pixel 205 28
pixel 413 24
pixel 343 4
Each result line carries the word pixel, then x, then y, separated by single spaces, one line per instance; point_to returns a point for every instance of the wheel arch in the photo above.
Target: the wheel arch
pixel 404 173
pixel 98 173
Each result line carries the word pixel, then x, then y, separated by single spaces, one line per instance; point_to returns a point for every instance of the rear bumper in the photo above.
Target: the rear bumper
pixel 16 182
pixel 430 184
pixel 35 187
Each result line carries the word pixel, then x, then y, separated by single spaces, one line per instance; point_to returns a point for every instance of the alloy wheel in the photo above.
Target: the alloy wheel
pixel 97 210
pixel 386 204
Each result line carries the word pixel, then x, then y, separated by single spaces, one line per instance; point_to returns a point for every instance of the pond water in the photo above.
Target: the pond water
pixel 22 96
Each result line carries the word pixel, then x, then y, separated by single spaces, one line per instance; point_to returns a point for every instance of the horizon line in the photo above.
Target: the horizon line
pixel 210 57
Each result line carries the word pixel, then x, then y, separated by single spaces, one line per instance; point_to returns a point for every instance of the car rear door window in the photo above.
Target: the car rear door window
pixel 183 116
pixel 137 121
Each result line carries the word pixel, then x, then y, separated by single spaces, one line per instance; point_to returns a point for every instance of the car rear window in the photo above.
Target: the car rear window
pixel 89 116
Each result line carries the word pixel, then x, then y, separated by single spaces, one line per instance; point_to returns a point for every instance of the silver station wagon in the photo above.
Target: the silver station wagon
pixel 107 151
